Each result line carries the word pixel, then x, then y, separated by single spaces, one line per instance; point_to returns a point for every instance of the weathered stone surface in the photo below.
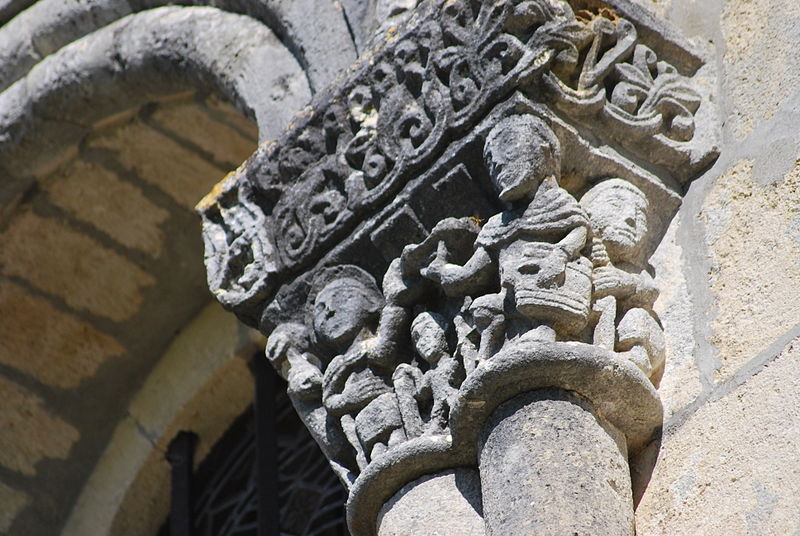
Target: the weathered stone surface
pixel 209 344
pixel 11 502
pixel 97 196
pixel 216 131
pixel 30 431
pixel 658 7
pixel 761 59
pixel 547 285
pixel 181 173
pixel 62 355
pixel 444 504
pixel 207 409
pixel 201 383
pixel 72 266
pixel 130 460
pixel 680 384
pixel 134 61
pixel 734 466
pixel 549 466
pixel 746 221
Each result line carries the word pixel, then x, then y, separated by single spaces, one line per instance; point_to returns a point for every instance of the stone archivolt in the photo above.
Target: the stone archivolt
pixel 479 164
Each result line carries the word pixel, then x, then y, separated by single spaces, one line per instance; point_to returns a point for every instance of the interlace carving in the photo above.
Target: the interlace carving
pixel 431 81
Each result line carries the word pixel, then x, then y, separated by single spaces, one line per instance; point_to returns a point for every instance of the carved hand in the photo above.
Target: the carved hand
pixel 437 266
pixel 611 281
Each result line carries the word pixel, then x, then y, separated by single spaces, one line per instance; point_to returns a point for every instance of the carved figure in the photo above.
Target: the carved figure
pixel 622 287
pixel 535 245
pixel 345 310
pixel 434 389
pixel 288 349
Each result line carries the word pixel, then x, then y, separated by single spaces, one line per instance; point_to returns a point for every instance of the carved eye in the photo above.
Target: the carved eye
pixel 529 269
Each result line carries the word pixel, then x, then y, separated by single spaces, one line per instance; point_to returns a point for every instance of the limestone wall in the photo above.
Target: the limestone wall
pixel 729 460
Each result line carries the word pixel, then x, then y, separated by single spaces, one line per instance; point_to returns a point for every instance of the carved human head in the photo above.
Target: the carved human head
pixel 520 151
pixel 342 308
pixel 618 212
pixel 428 336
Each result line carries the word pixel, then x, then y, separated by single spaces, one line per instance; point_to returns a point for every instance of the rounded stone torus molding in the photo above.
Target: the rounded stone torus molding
pixel 618 390
pixel 411 510
pixel 612 388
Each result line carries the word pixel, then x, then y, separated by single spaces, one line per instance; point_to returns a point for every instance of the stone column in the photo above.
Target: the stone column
pixel 549 466
pixel 445 503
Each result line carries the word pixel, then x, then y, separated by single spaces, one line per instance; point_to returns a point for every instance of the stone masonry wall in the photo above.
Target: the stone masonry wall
pixel 729 460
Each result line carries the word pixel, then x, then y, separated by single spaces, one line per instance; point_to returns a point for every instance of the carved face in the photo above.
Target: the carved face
pixel 428 336
pixel 524 270
pixel 618 211
pixel 543 285
pixel 342 309
pixel 520 152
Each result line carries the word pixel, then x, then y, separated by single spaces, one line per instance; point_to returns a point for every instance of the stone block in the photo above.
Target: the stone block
pixel 734 467
pixel 97 196
pixel 11 502
pixel 761 59
pixel 218 131
pixel 54 347
pixel 66 263
pixel 30 432
pixel 208 346
pixel 162 161
pixel 128 460
pixel 750 232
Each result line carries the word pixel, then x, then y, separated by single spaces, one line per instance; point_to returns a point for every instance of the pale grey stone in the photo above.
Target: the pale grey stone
pixel 419 506
pixel 550 466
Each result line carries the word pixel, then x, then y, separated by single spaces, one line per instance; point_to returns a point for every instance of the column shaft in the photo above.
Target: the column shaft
pixel 550 467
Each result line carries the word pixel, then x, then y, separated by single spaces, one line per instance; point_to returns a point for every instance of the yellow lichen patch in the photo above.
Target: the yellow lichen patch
pixel 66 263
pixel 162 161
pixel 54 347
pixel 119 209
pixel 28 431
pixel 210 199
pixel 756 275
pixel 11 502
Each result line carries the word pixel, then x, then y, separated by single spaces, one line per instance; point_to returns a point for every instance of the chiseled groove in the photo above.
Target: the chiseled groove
pixel 11 8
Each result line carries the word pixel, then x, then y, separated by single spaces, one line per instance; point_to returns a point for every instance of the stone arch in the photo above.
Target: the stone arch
pixel 48 25
pixel 136 60
pixel 201 383
pixel 82 113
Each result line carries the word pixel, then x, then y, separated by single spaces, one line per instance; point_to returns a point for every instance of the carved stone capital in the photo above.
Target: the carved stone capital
pixel 464 218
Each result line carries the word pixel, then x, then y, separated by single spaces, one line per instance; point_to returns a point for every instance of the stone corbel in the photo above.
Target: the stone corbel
pixel 449 253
